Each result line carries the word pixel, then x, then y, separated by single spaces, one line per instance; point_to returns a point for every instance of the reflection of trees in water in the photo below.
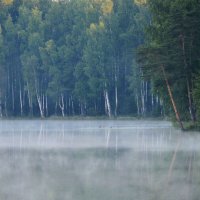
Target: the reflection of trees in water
pixel 144 164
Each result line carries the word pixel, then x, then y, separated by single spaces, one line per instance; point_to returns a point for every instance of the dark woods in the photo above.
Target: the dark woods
pixel 171 53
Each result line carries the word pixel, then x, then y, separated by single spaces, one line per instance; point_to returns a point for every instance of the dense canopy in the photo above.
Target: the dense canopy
pixel 72 58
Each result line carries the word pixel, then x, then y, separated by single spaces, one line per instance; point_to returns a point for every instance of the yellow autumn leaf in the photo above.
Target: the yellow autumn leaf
pixel 7 2
pixel 101 25
pixel 140 2
pixel 93 27
pixel 107 6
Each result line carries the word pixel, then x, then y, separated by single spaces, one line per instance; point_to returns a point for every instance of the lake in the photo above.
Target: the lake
pixel 98 160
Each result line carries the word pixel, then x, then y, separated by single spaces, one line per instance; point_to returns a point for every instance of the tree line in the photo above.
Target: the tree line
pixel 73 57
pixel 100 57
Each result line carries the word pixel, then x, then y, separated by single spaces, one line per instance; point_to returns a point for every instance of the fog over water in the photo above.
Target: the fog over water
pixel 98 160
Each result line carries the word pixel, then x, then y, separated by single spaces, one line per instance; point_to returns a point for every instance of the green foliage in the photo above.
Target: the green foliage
pixel 71 57
pixel 172 41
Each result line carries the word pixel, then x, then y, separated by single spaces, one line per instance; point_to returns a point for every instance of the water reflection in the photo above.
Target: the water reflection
pixel 98 160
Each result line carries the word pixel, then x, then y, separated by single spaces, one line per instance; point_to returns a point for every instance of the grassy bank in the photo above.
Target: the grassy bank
pixel 188 125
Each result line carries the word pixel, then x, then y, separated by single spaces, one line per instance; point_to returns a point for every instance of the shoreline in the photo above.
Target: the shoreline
pixel 59 118
pixel 189 126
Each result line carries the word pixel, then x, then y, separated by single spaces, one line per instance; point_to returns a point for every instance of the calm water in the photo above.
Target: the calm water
pixel 98 160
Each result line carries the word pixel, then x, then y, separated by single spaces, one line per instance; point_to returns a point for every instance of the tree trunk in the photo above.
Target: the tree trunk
pixel 95 107
pixel 39 95
pixel 189 90
pixel 116 100
pixel 105 105
pixel 137 103
pixel 152 102
pixel 56 107
pixel 40 105
pixel 85 107
pixel 69 106
pixel 13 99
pixel 6 109
pixel 72 103
pixel 62 105
pixel 190 99
pixel 43 104
pixel 46 105
pixel 107 101
pixel 116 91
pixel 146 92
pixel 1 112
pixel 81 109
pixel 30 101
pixel 21 99
pixel 143 97
pixel 172 99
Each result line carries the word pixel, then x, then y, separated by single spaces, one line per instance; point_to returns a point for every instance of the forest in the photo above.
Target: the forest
pixel 100 58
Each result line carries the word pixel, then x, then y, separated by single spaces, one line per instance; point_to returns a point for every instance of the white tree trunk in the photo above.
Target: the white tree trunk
pixel 1 112
pixel 13 98
pixel 152 101
pixel 39 96
pixel 107 103
pixel 6 110
pixel 146 91
pixel 62 105
pixel 137 103
pixel 46 105
pixel 116 88
pixel 116 97
pixel 21 99
pixel 40 105
pixel 43 104
pixel 143 98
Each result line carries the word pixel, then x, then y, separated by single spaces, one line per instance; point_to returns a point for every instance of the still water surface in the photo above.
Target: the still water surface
pixel 98 160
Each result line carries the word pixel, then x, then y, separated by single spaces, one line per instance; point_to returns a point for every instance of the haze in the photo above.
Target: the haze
pixel 94 160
